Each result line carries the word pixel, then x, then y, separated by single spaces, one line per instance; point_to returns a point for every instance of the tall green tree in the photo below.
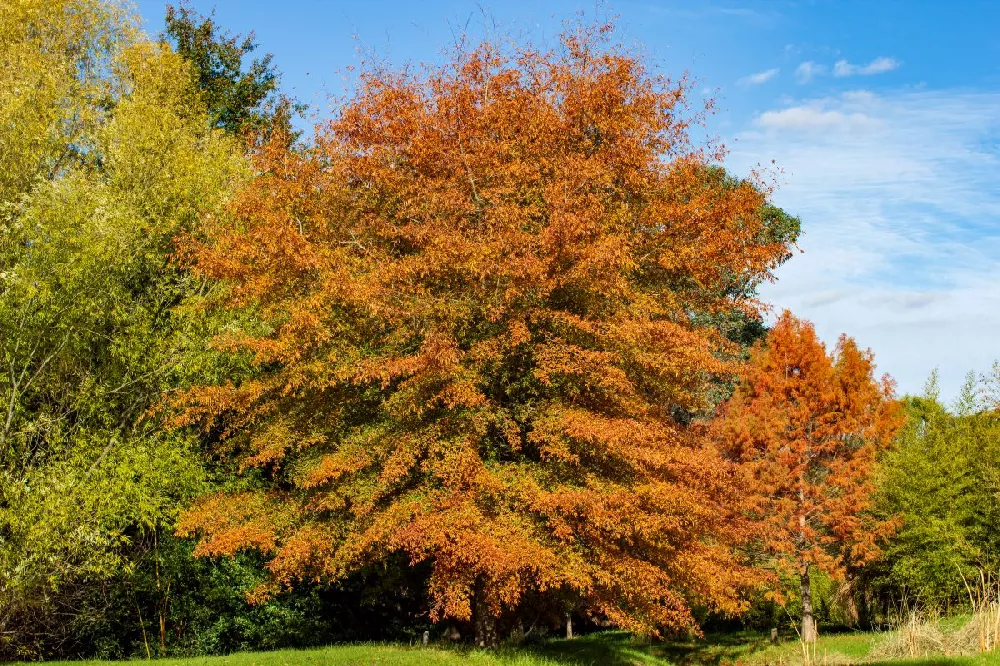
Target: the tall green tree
pixel 242 95
pixel 940 483
pixel 112 154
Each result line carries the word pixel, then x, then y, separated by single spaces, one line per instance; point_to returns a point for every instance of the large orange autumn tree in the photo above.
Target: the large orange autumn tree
pixel 474 307
pixel 809 426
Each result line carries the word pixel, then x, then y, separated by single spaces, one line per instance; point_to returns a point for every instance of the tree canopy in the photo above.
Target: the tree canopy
pixel 242 98
pixel 477 307
pixel 940 484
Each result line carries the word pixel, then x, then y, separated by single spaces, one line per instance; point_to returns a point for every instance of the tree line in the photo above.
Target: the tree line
pixel 482 356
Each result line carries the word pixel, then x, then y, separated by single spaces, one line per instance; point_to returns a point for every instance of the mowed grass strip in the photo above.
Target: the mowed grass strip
pixel 346 655
pixel 598 649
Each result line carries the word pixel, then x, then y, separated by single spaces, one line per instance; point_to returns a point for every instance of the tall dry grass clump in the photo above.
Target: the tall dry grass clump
pixel 918 633
pixel 982 632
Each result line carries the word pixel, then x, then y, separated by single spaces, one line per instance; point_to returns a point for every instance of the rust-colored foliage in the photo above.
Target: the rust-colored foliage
pixel 476 300
pixel 809 426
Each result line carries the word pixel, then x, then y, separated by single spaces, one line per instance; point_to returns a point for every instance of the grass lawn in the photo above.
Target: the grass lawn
pixel 605 648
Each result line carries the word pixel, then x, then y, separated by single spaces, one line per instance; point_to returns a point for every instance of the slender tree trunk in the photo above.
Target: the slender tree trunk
pixel 142 625
pixel 569 626
pixel 486 623
pixel 808 633
pixel 163 601
pixel 808 621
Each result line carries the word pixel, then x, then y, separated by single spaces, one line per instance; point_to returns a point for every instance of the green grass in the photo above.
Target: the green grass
pixel 348 655
pixel 600 649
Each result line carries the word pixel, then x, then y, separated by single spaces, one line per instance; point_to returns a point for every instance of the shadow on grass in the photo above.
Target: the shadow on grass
pixel 926 661
pixel 621 649
pixel 717 649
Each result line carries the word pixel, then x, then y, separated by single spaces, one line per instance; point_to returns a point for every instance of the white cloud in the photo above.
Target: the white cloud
pixel 808 70
pixel 899 196
pixel 876 66
pixel 758 78
pixel 812 118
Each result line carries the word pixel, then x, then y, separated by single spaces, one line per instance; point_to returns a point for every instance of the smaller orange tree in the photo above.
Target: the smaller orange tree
pixel 809 427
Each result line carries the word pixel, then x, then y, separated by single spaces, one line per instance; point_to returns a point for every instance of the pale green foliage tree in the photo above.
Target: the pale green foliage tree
pixel 941 483
pixel 106 153
pixel 971 396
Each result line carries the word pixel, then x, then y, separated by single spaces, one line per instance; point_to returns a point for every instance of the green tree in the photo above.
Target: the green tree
pixel 113 158
pixel 940 483
pixel 242 98
pixel 777 227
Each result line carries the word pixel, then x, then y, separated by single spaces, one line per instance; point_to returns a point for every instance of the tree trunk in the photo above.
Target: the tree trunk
pixel 865 612
pixel 486 623
pixel 808 633
pixel 164 601
pixel 569 626
pixel 808 621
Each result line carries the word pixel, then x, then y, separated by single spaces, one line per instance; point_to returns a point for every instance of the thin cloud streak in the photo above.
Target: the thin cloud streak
pixel 814 118
pixel 759 77
pixel 877 66
pixel 809 70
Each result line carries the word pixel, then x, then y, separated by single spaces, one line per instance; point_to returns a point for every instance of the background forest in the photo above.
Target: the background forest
pixel 481 357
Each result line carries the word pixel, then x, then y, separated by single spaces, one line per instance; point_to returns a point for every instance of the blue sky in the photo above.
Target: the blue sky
pixel 884 117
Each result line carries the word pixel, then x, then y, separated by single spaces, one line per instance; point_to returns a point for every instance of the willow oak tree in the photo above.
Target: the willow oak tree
pixel 809 427
pixel 476 303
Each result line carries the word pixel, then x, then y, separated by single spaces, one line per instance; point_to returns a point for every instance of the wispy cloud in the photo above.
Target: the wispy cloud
pixel 814 117
pixel 759 77
pixel 876 66
pixel 808 70
pixel 762 16
pixel 899 195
